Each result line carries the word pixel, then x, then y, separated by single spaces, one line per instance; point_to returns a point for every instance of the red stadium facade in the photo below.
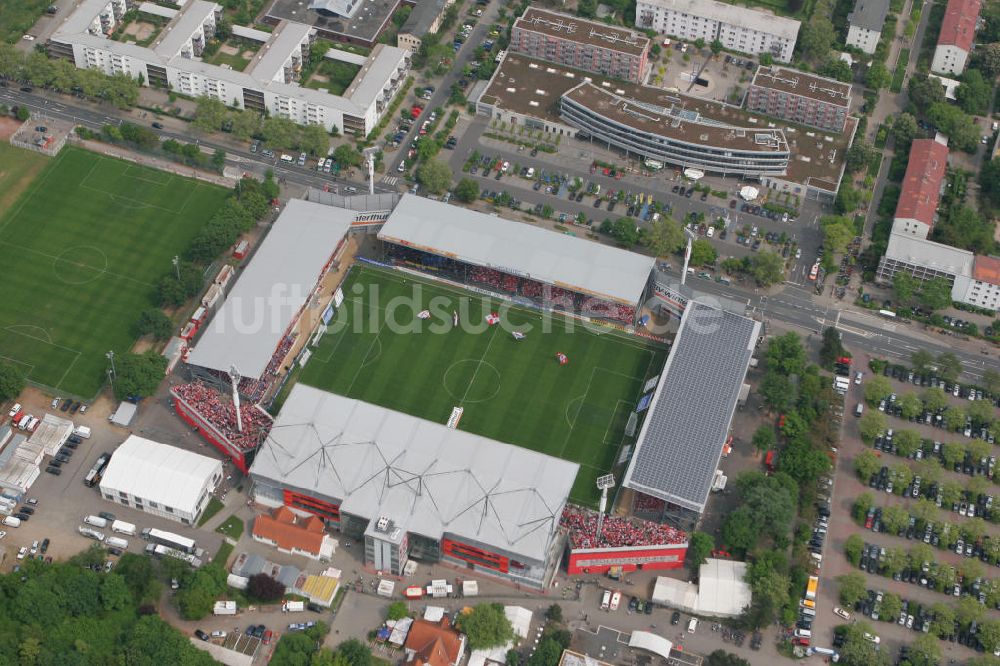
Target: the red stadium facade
pixel 629 558
pixel 239 452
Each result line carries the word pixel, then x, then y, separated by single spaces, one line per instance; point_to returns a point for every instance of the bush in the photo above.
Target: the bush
pixel 263 587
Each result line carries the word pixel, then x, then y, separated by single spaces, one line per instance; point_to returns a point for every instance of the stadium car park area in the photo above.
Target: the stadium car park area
pixel 511 390
pixel 84 247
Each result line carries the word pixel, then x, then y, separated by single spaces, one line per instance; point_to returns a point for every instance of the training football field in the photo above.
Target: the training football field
pixel 83 246
pixel 516 391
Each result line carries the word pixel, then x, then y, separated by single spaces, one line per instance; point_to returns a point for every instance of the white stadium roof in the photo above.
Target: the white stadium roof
pixel 427 478
pixel 159 473
pixel 272 289
pixel 522 249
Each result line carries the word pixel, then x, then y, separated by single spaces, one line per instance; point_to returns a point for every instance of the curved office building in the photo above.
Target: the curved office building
pixel 672 133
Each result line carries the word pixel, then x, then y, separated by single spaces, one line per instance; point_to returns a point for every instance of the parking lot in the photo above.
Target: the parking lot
pixel 927 540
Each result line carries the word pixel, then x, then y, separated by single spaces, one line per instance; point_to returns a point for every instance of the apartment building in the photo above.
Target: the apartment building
pixel 864 24
pixel 269 84
pixel 740 29
pixel 802 98
pixel 916 211
pixel 958 32
pixel 586 45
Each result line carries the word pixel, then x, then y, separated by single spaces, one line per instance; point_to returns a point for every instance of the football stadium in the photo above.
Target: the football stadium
pixel 447 386
pixel 74 284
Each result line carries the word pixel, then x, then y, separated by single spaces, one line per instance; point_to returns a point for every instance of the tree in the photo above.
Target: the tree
pixel 895 518
pixel 210 114
pixel 934 399
pixel 764 438
pixel 434 175
pixel 155 323
pixel 314 139
pixel 263 587
pixel 11 380
pixel 347 155
pixel 848 199
pixel 973 94
pixel 738 531
pixel 962 131
pixel 219 160
pixel 853 588
pixel 723 658
pixel 663 236
pixel 968 610
pixel 138 374
pixel 853 547
pixel 907 442
pixel 944 619
pixel 554 613
pixel 785 354
pixel 904 130
pixel 831 348
pixel 866 463
pixel 949 367
pixel 988 57
pixel 871 425
pixel 355 652
pixel 878 76
pixel 838 232
pixel 716 46
pixel 989 630
pixel 114 593
pixel 777 391
pixel 397 611
pixel 766 268
pixel 174 290
pixel 703 253
pixel 838 69
pixel 925 651
pixel 924 91
pixel 876 389
pixel 910 405
pixel 700 546
pixel 467 190
pixel 547 653
pixel 904 287
pixel 967 229
pixel 486 626
pixel 935 294
pixel 23 113
pixel 952 453
pixel 891 605
pixel 989 180
pixel 991 380
pixel 858 155
pixel 922 360
pixel 816 37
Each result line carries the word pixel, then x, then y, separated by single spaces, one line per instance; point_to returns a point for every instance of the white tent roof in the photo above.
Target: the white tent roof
pixel 650 642
pixel 425 477
pixel 433 613
pixel 124 414
pixel 159 473
pixel 722 590
pixel 522 249
pixel 246 330
pixel 520 619
pixel 678 594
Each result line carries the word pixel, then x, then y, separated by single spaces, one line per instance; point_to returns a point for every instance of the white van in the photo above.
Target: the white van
pixel 96 521
pixel 860 409
pixel 692 625
pixel 287 158
pixel 803 633
pixel 11 521
pixel 25 420
pixel 82 431
pixel 117 542
pixel 606 600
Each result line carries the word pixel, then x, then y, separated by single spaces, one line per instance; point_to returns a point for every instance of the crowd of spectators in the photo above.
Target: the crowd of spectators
pixel 218 411
pixel 546 296
pixel 617 531
pixel 648 504
pixel 253 388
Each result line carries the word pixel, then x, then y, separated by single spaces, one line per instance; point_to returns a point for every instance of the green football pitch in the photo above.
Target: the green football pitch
pixel 83 247
pixel 515 391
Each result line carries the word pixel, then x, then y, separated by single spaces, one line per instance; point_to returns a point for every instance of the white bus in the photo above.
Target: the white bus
pixel 888 314
pixel 654 165
pixel 169 539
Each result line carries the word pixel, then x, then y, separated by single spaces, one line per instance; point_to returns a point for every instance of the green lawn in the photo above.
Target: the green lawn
pixel 18 16
pixel 897 76
pixel 232 528
pixel 83 247
pixel 339 76
pixel 237 62
pixel 512 391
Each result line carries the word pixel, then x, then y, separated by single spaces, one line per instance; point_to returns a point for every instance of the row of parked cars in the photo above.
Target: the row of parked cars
pixel 63 455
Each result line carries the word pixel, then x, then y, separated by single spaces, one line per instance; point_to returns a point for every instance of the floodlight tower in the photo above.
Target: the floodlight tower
pixel 603 484
pixel 370 163
pixel 234 378
pixel 687 255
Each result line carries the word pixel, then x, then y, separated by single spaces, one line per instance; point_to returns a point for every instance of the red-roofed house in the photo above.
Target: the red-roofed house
pixel 982 289
pixel 958 31
pixel 433 644
pixel 294 534
pixel 918 200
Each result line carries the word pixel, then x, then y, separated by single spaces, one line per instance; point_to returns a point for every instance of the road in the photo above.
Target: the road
pixel 795 305
pixel 65 107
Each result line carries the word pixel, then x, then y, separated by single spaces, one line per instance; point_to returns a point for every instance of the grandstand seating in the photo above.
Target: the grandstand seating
pixel 648 504
pixel 219 412
pixel 617 531
pixel 542 295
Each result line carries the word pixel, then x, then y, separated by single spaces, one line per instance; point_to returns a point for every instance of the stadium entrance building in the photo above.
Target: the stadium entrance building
pixel 519 262
pixel 676 457
pixel 254 337
pixel 413 489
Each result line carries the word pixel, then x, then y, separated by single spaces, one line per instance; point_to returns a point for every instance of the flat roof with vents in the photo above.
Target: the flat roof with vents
pixel 582 31
pixel 802 84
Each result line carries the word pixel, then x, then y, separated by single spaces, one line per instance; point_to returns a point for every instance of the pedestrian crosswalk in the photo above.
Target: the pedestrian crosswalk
pixel 390 180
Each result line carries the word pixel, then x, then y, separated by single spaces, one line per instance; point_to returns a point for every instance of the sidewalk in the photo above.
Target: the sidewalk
pixel 146 160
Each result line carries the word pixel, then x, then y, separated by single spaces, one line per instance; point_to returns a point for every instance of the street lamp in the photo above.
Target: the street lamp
pixel 111 357
pixel 687 254
pixel 176 261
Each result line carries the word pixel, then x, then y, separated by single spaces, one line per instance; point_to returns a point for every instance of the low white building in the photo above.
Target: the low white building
pixel 268 85
pixel 721 592
pixel 738 28
pixel 161 480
